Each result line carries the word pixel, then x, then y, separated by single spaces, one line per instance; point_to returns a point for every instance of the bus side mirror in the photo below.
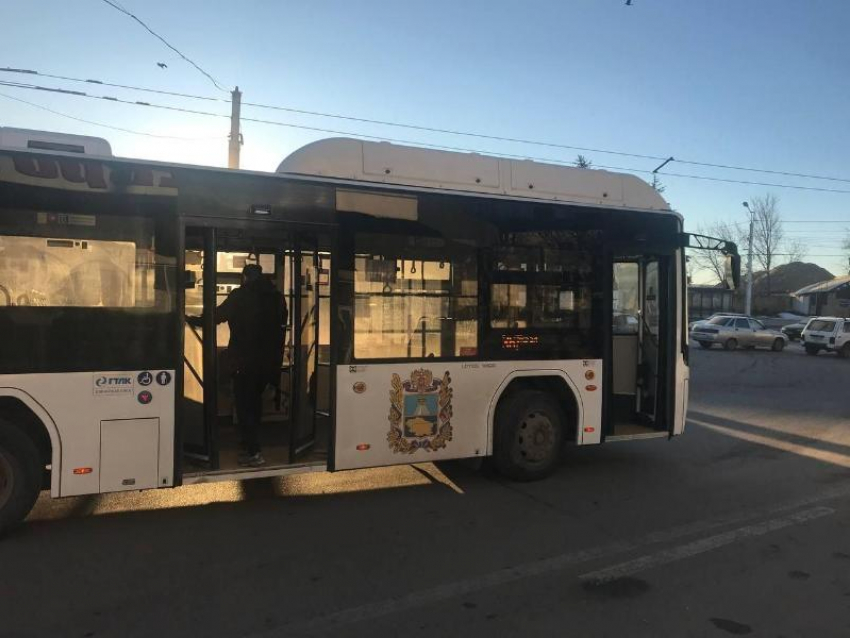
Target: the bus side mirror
pixel 732 271
pixel 190 280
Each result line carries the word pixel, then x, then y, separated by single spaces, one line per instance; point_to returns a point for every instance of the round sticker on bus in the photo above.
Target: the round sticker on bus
pixel 359 387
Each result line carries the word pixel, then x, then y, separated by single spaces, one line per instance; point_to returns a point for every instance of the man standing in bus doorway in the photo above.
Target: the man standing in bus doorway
pixel 256 314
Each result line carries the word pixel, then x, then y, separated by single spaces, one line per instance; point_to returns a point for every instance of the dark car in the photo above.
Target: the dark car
pixel 794 330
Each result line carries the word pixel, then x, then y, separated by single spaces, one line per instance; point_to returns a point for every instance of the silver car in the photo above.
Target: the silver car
pixel 737 332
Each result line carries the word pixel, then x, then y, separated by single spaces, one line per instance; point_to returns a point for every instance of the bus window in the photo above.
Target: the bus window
pixel 508 306
pixel 417 303
pixel 78 278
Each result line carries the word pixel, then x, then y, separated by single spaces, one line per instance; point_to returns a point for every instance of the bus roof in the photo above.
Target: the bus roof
pixel 50 141
pixel 392 164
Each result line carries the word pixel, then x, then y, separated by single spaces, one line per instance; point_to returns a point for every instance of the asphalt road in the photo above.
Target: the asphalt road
pixel 739 527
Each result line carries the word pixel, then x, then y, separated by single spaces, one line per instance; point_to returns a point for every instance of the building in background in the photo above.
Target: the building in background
pixel 830 298
pixel 704 301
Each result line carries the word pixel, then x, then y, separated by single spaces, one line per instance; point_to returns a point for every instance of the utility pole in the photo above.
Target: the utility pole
pixel 235 136
pixel 749 302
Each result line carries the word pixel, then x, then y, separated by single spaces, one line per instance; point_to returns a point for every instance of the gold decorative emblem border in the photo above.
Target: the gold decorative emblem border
pixel 400 444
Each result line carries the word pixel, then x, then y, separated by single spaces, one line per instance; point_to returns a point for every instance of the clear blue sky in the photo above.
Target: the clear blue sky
pixel 756 83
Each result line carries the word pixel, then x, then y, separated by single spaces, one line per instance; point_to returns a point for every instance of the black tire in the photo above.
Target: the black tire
pixel 706 344
pixel 844 353
pixel 778 345
pixel 730 344
pixel 812 350
pixel 20 476
pixel 529 435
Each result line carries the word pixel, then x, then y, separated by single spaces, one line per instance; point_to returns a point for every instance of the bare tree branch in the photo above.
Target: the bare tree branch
pixel 796 250
pixel 768 233
pixel 582 162
pixel 713 261
pixel 847 249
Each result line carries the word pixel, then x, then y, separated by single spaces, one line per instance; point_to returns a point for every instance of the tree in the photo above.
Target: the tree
pixel 768 234
pixel 713 260
pixel 847 249
pixel 583 162
pixel 657 185
pixel 796 250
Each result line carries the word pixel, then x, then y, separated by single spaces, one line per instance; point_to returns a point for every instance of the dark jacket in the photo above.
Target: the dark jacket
pixel 256 313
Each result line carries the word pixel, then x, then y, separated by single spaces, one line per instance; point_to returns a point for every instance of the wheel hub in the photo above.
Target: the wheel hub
pixel 6 480
pixel 536 437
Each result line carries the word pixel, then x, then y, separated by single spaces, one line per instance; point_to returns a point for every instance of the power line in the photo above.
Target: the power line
pixel 66 78
pixel 108 126
pixel 362 120
pixel 430 129
pixel 409 142
pixel 118 7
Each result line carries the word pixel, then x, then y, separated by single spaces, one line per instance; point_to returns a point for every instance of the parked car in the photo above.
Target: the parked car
pixel 716 314
pixel 794 331
pixel 733 332
pixel 831 334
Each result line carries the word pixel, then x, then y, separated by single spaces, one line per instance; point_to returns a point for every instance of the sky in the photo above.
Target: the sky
pixel 755 83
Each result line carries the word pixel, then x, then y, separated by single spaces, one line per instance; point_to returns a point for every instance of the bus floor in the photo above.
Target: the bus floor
pixel 274 441
pixel 625 420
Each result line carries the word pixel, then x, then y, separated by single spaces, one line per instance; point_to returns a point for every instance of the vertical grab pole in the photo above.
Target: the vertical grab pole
pixel 210 349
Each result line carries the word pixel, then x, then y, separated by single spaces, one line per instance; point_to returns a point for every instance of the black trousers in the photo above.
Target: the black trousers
pixel 248 394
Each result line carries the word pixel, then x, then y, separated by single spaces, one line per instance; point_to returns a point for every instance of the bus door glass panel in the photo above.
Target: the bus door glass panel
pixel 306 347
pixel 625 324
pixel 198 343
pixel 649 345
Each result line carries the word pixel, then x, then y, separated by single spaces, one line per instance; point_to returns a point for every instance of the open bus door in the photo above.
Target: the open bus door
pixel 296 405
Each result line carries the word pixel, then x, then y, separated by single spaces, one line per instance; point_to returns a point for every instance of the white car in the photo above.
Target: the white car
pixel 831 334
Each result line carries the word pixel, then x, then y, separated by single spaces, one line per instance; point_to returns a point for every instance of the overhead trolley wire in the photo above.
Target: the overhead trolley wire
pixel 447 131
pixel 404 141
pixel 109 126
pixel 118 7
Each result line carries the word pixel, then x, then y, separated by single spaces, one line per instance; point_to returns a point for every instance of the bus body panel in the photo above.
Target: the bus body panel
pixel 393 413
pixel 114 429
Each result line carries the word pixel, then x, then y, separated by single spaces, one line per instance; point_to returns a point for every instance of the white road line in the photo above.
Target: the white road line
pixel 701 546
pixel 447 591
pixel 809 451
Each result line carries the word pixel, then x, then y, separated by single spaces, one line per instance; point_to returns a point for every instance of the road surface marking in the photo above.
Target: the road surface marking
pixel 453 590
pixel 811 452
pixel 702 546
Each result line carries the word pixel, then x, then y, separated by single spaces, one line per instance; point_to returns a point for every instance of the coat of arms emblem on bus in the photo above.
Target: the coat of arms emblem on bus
pixel 420 412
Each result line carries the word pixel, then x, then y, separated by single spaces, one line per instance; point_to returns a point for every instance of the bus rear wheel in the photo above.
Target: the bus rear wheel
pixel 529 435
pixel 20 476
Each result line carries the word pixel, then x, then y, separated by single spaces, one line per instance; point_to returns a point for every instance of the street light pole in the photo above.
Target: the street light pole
pixel 748 306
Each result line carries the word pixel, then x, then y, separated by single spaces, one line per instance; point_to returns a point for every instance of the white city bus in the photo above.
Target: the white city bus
pixel 441 306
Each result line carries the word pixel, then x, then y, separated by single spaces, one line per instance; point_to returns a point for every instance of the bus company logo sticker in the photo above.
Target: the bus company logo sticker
pixel 420 412
pixel 113 384
pixel 145 378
